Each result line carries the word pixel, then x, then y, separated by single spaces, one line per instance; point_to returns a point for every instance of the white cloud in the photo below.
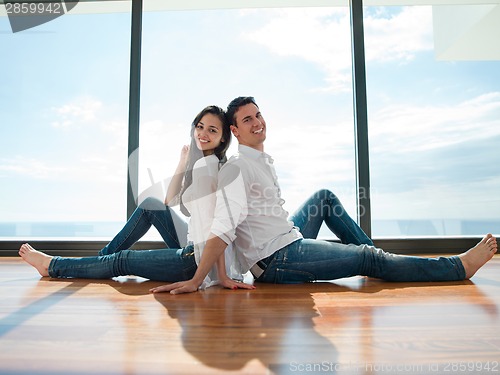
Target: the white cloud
pixel 29 167
pixel 87 159
pixel 411 128
pixel 81 110
pixel 161 143
pixel 426 159
pixel 322 36
pixel 398 37
pixel 478 201
pixel 95 146
pixel 310 157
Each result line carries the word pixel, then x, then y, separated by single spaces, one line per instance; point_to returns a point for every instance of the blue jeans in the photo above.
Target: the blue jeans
pixel 150 212
pixel 324 206
pixel 169 265
pixel 308 260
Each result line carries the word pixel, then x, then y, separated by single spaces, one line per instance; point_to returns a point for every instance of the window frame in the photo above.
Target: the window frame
pixel 399 245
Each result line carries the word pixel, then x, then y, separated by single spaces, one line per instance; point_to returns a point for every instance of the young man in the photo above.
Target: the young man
pixel 250 215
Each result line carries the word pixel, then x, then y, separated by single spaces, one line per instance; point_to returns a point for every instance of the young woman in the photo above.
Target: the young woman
pixel 193 187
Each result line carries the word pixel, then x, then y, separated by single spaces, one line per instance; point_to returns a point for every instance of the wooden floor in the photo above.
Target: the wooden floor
pixel 353 326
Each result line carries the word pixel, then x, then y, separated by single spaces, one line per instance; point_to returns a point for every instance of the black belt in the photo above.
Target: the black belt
pixel 258 269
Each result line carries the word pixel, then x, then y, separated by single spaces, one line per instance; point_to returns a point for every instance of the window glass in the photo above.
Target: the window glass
pixel 64 114
pixel 300 77
pixel 433 77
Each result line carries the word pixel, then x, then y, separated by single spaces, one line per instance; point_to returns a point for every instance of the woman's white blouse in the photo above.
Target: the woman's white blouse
pixel 200 198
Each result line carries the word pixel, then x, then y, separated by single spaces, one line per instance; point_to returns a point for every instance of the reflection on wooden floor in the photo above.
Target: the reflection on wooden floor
pixel 352 326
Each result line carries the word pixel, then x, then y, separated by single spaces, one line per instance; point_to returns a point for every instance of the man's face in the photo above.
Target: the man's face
pixel 250 129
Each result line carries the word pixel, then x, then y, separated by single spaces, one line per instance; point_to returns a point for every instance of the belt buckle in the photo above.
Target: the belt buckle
pixel 257 270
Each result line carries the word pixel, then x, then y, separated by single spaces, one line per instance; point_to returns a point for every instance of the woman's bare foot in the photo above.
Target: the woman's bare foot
pixel 473 259
pixel 36 259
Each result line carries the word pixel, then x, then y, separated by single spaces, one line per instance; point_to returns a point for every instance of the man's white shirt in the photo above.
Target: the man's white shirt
pixel 249 210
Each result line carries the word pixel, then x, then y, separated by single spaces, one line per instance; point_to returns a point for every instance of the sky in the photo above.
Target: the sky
pixel 433 125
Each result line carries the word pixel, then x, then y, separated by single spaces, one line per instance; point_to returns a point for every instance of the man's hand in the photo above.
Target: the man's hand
pixel 212 251
pixel 177 288
pixel 189 286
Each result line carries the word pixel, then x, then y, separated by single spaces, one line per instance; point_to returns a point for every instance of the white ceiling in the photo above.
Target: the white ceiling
pixel 465 32
pixel 463 29
pixel 112 6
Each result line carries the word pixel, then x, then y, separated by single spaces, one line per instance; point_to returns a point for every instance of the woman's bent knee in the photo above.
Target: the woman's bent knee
pixel 152 203
pixel 325 194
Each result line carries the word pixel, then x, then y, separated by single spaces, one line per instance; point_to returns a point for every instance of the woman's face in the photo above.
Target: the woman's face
pixel 208 133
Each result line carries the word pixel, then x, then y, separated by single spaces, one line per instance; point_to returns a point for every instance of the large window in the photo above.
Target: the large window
pixel 433 87
pixel 433 83
pixel 63 110
pixel 297 64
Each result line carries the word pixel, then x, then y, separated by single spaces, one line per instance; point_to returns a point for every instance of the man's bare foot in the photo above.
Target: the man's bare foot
pixel 36 259
pixel 473 259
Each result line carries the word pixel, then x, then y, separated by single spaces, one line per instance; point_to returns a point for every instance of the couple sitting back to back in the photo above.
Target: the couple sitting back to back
pixel 238 224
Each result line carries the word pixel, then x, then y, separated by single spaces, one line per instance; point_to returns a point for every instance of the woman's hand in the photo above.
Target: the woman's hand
pixel 233 284
pixel 184 155
pixel 175 185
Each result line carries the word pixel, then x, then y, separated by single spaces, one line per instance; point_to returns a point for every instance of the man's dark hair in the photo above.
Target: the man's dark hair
pixel 235 104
